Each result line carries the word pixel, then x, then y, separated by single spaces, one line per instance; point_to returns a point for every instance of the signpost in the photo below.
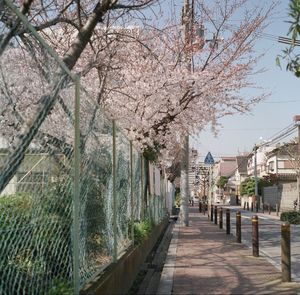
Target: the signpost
pixel 209 160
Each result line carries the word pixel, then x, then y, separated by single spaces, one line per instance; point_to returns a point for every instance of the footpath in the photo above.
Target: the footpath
pixel 202 259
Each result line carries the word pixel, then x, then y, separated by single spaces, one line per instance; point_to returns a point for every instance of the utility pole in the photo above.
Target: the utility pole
pixel 187 22
pixel 297 158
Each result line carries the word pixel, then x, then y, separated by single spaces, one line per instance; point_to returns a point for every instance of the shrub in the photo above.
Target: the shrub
pixel 292 217
pixel 141 230
pixel 177 200
pixel 60 288
pixel 35 241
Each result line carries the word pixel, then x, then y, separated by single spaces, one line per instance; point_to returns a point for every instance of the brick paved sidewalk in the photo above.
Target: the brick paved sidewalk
pixel 208 261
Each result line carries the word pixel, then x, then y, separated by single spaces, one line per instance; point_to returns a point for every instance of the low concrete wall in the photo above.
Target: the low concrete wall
pixel 119 276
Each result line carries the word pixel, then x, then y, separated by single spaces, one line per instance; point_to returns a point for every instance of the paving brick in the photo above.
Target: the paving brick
pixel 210 262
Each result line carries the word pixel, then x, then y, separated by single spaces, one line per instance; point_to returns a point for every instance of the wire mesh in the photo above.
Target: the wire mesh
pixel 36 204
pixel 123 202
pixel 137 186
pixel 96 198
pixel 45 247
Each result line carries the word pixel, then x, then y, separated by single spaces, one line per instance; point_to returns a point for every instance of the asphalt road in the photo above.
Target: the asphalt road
pixel 269 237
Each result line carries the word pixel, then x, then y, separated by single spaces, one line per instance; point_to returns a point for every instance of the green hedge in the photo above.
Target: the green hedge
pixel 293 217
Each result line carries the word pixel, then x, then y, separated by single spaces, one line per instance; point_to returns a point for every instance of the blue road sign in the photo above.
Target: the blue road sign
pixel 209 160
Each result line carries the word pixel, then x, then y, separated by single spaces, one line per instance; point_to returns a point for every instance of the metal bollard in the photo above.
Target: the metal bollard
pixel 244 205
pixel 221 218
pixel 212 213
pixel 248 206
pixel 200 206
pixel 285 252
pixel 277 209
pixel 216 215
pixel 269 208
pixel 252 206
pixel 228 221
pixel 238 227
pixel 255 242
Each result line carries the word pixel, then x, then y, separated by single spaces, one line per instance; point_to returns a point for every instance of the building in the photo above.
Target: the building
pixel 261 167
pixel 225 167
pixel 193 159
pixel 282 165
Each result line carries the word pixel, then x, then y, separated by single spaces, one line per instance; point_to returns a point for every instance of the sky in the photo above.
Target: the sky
pixel 239 133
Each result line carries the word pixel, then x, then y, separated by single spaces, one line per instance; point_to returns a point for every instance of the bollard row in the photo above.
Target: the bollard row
pixel 214 217
pixel 285 236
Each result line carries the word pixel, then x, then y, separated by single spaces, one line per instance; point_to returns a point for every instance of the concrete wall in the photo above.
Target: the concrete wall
pixel 271 195
pixel 118 277
pixel 288 192
pixel 284 194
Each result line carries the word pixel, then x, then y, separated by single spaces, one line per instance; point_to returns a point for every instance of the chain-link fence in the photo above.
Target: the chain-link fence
pixel 73 184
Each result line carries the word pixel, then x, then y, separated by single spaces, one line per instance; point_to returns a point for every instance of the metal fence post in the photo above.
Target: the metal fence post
pixel 211 212
pixel 131 192
pixel 216 215
pixel 238 227
pixel 286 252
pixel 221 218
pixel 263 207
pixel 142 204
pixel 247 206
pixel 200 206
pixel 228 221
pixel 114 173
pixel 76 196
pixel 255 241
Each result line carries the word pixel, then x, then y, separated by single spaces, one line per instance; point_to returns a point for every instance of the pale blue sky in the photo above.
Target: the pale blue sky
pixel 240 133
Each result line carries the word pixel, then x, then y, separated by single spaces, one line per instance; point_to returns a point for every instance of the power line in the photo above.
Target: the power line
pixel 271 37
pixel 285 133
pixel 283 129
pixel 282 101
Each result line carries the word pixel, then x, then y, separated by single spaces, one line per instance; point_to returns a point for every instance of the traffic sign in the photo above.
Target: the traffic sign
pixel 209 160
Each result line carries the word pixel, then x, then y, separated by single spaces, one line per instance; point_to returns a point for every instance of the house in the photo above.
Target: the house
pixel 282 165
pixel 225 167
pixel 239 175
pixel 261 167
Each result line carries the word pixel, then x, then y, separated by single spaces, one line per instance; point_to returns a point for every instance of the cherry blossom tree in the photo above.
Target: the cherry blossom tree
pixel 140 79
pixel 82 15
